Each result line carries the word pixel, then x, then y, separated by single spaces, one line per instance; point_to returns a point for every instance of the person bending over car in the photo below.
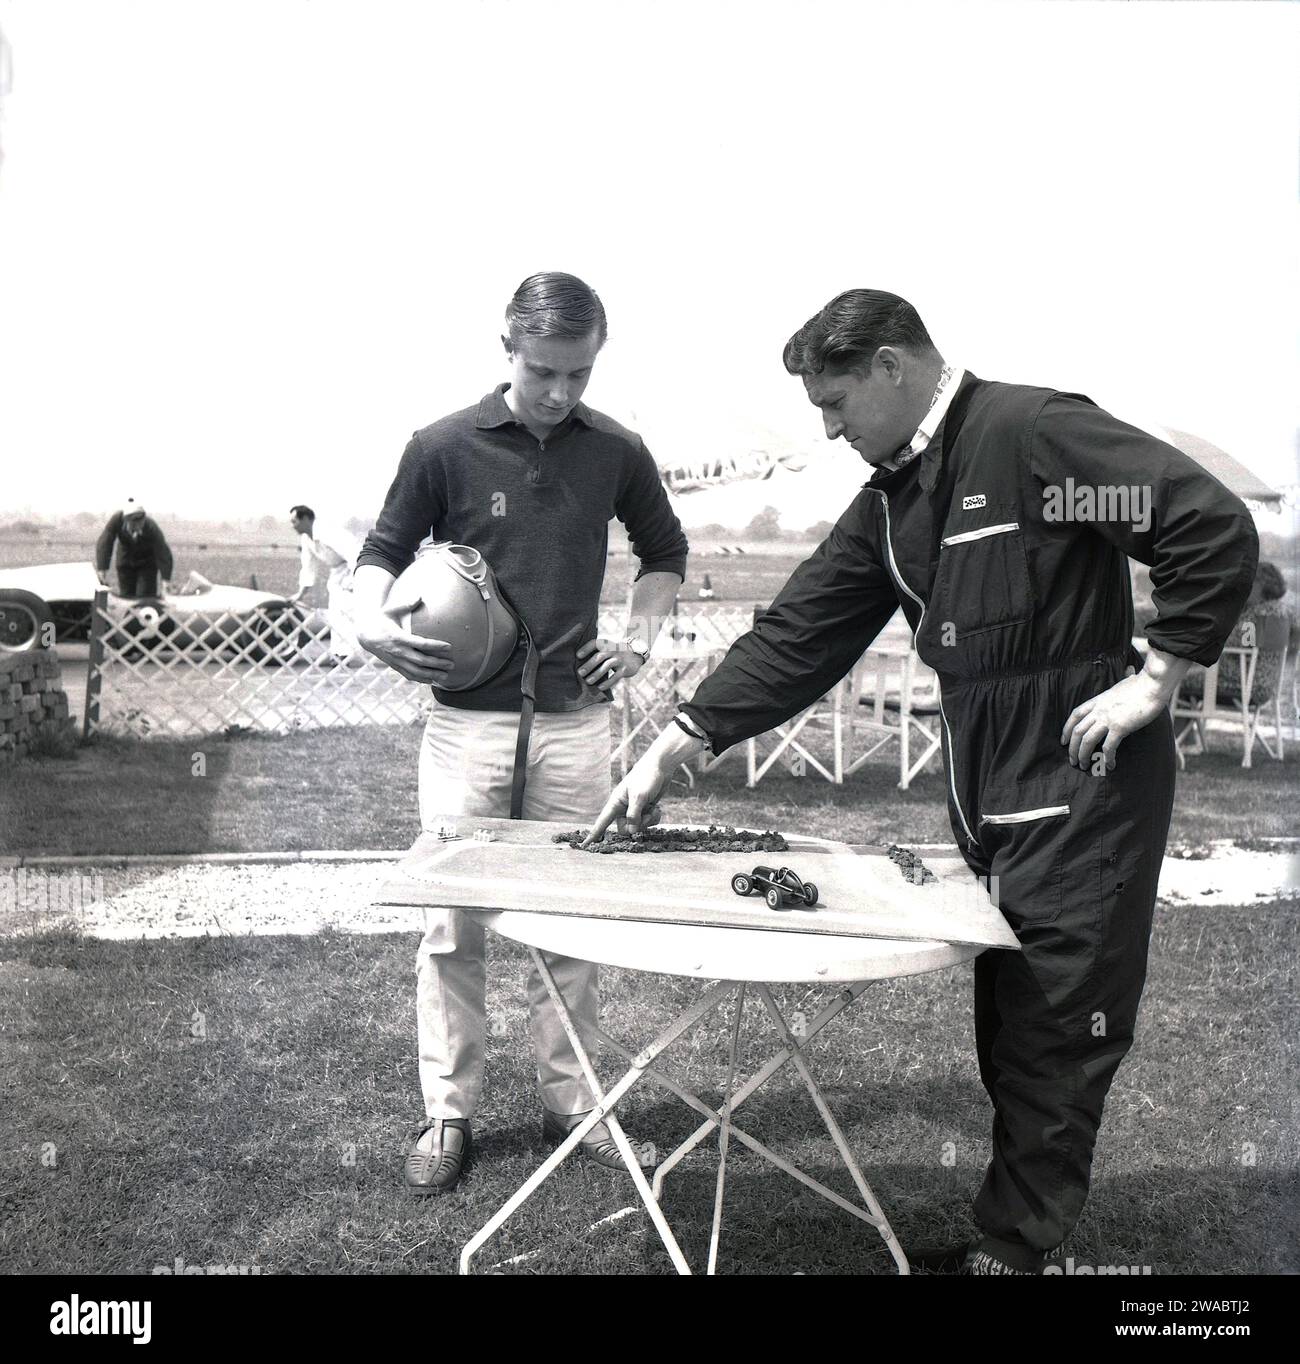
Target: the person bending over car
pixel 143 555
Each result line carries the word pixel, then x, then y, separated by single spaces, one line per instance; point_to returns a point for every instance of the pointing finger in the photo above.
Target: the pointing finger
pixel 604 819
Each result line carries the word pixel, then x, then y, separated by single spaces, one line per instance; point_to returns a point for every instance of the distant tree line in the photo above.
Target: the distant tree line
pixel 765 525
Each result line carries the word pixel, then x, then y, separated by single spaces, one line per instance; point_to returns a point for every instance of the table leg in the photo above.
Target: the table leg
pixel 874 1215
pixel 714 1119
pixel 605 1104
pixel 724 1134
pixel 836 1006
pixel 837 1136
pixel 642 1067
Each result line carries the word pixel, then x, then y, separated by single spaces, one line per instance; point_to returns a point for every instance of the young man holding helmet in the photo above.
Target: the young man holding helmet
pixel 530 478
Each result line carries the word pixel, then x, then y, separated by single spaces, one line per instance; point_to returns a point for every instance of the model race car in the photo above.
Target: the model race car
pixel 779 886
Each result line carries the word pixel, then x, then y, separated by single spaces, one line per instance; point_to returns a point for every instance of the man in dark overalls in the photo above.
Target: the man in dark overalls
pixel 999 518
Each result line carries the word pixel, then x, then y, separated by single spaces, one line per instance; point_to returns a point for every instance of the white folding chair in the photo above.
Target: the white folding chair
pixel 1264 694
pixel 824 719
pixel 911 713
pixel 1245 697
pixel 1188 705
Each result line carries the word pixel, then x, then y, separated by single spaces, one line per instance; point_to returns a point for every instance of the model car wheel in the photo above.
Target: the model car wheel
pixel 773 898
pixel 809 893
pixel 23 616
pixel 741 884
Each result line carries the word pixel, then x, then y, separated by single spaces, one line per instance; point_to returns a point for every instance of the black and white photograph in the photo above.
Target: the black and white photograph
pixel 649 639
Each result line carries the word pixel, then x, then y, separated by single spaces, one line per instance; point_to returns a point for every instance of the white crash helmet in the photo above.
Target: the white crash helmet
pixel 450 592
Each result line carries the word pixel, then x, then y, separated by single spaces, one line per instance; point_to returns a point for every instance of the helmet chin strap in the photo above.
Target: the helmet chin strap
pixel 472 567
pixel 527 706
pixel 527 709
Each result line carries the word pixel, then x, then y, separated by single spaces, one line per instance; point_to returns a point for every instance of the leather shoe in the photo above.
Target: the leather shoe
pixel 435 1165
pixel 598 1144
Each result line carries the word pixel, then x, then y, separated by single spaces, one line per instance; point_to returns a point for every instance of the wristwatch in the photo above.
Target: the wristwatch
pixel 636 645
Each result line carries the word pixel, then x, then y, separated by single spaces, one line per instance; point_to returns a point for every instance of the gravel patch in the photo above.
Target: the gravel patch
pixel 209 899
pixel 1231 876
pixel 220 898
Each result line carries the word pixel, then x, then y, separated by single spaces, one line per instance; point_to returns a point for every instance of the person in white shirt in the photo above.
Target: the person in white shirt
pixel 329 555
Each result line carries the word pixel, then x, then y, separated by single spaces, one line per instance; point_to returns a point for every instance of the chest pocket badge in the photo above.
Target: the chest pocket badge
pixel 982 582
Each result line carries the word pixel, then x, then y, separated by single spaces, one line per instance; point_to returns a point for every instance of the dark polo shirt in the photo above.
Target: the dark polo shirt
pixel 539 513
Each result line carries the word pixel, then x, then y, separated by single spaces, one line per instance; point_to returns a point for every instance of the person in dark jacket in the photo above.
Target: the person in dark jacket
pixel 999 518
pixel 143 555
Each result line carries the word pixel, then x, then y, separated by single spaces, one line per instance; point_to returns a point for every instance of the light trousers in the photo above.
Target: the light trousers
pixel 466 764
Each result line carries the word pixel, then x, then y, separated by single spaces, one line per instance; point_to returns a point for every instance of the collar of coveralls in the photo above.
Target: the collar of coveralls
pixel 951 413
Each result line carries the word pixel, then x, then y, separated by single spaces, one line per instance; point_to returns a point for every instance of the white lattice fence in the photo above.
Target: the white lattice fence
pixel 650 700
pixel 688 649
pixel 267 670
pixel 705 627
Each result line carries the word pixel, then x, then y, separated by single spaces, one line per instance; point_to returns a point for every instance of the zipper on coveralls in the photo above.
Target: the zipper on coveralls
pixel 1027 816
pixel 968 535
pixel 898 578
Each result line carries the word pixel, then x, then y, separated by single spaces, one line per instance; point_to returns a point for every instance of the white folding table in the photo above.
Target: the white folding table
pixel 737 960
pixel 663 913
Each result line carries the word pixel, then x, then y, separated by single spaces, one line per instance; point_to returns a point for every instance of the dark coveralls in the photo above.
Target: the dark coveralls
pixel 1023 617
pixel 140 557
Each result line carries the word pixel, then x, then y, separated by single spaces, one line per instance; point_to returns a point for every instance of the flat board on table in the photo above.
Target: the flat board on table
pixel 861 892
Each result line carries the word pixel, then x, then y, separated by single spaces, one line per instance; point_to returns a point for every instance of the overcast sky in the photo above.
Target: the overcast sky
pixel 249 246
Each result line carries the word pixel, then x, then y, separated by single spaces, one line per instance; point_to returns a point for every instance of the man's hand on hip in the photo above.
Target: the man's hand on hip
pixel 603 662
pixel 1108 718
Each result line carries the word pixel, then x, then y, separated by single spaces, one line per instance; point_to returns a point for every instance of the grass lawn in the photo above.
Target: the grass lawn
pixel 355 788
pixel 274 1138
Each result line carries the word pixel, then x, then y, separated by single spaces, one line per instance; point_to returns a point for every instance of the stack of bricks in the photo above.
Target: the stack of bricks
pixel 32 699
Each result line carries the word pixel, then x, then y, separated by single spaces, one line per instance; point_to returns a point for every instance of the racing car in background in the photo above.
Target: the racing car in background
pixel 243 621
